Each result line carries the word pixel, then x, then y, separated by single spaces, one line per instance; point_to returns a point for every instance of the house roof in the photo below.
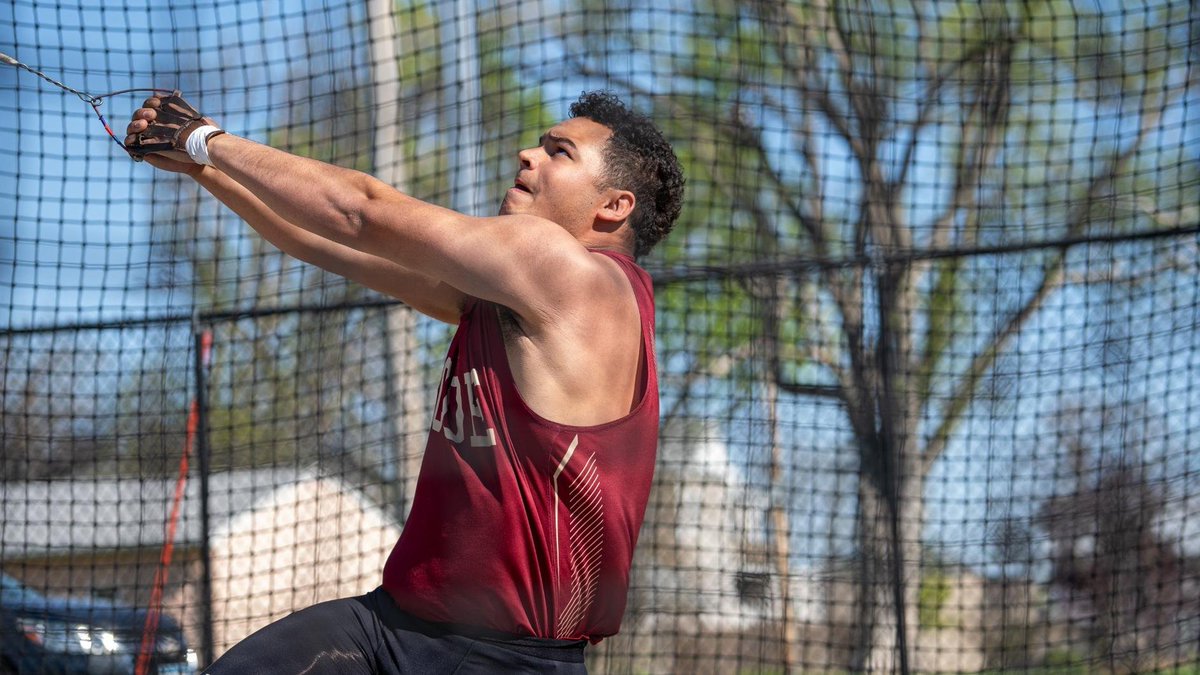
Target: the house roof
pixel 54 517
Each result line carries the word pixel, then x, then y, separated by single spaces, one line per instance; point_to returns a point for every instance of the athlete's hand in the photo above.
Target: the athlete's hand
pixel 161 128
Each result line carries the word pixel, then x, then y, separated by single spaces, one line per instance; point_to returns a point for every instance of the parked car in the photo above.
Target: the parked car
pixel 63 636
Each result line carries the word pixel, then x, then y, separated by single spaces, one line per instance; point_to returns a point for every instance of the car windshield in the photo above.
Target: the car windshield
pixel 13 591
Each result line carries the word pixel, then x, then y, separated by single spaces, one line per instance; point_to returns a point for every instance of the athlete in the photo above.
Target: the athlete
pixel 538 463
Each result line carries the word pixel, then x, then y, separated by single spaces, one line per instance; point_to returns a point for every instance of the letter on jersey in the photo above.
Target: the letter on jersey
pixel 482 436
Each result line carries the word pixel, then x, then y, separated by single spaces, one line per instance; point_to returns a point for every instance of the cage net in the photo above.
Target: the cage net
pixel 928 328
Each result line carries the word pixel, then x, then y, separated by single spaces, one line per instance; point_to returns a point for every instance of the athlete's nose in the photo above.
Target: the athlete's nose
pixel 527 157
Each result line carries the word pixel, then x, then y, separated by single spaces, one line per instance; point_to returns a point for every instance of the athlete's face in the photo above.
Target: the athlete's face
pixel 559 178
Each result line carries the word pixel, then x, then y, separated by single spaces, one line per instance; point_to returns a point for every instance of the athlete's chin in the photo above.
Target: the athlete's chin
pixel 510 207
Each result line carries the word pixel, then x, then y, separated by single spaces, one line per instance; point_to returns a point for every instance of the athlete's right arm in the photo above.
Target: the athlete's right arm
pixel 432 297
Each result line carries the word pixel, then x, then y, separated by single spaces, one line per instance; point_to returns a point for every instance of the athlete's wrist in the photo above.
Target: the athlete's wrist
pixel 197 141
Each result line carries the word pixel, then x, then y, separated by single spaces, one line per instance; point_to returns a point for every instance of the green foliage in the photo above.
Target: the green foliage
pixel 1066 661
pixel 419 60
pixel 932 596
pixel 944 315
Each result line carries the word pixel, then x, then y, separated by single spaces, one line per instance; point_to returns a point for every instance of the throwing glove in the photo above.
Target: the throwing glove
pixel 175 120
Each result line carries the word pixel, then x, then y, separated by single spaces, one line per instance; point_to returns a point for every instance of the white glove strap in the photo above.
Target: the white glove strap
pixel 197 143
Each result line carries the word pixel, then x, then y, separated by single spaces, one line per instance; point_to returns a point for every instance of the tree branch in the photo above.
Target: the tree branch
pixel 929 101
pixel 804 71
pixel 990 107
pixel 811 225
pixel 863 105
pixel 847 294
pixel 803 135
pixel 1052 279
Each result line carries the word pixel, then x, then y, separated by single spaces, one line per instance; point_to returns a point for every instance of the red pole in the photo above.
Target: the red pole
pixel 150 630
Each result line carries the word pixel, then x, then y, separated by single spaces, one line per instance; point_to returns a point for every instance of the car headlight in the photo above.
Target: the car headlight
pixel 70 638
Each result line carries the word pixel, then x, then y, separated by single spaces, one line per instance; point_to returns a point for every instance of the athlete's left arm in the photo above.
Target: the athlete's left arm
pixel 526 263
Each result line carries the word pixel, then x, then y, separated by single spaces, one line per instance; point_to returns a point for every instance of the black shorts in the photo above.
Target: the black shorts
pixel 370 634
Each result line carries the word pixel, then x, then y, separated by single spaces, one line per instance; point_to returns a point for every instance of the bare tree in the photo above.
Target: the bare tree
pixel 1121 583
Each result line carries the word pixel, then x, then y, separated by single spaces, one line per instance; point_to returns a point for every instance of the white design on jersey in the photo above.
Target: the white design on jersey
pixel 554 488
pixel 586 534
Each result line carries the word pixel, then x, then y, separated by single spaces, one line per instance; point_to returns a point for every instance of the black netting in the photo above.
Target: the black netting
pixel 928 327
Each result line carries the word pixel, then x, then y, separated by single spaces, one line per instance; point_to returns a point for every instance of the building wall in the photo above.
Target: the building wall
pixel 306 543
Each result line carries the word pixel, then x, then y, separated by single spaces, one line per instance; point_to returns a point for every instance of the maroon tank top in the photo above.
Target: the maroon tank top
pixel 520 524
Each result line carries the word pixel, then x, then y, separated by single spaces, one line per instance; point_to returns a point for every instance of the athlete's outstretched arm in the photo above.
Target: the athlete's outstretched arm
pixel 523 262
pixel 431 297
pixel 531 265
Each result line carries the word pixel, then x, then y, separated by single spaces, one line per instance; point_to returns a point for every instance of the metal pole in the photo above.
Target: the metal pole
pixel 203 340
pixel 404 395
pixel 892 443
pixel 462 69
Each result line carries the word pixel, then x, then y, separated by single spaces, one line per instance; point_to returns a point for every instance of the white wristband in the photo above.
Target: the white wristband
pixel 197 143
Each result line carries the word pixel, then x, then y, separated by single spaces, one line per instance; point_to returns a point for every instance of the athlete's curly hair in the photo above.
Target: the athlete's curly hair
pixel 637 158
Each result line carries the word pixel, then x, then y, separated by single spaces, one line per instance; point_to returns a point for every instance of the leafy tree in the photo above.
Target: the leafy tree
pixel 844 160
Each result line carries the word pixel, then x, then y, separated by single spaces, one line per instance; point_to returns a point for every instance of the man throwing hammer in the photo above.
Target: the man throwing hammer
pixel 540 453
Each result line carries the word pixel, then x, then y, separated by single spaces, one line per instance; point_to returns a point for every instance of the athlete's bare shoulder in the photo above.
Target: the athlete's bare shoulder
pixel 581 367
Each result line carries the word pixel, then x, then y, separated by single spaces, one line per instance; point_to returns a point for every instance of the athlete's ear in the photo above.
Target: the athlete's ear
pixel 617 207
